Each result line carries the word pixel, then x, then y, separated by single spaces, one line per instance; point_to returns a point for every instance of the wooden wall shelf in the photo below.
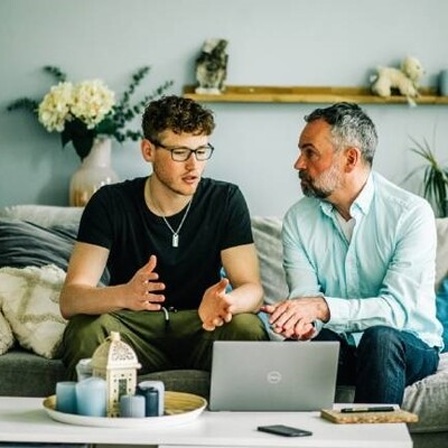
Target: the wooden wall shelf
pixel 305 94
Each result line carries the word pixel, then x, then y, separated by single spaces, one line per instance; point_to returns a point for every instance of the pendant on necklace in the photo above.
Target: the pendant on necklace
pixel 175 240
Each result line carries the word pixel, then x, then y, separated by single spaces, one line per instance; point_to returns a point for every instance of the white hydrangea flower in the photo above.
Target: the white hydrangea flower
pixel 92 101
pixel 54 109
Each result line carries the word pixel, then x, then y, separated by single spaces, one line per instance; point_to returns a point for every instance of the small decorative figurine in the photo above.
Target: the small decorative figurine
pixel 405 79
pixel 211 67
pixel 117 363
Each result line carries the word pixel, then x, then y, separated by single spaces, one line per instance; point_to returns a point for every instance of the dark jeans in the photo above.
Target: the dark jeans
pixel 384 363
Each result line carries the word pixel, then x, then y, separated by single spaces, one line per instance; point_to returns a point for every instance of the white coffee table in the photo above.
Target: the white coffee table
pixel 25 420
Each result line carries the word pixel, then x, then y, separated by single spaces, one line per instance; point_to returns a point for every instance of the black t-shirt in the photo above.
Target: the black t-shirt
pixel 117 218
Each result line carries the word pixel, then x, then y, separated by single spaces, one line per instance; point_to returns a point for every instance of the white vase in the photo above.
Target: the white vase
pixel 94 172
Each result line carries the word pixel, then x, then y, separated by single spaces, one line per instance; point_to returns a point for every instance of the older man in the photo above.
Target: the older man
pixel 359 256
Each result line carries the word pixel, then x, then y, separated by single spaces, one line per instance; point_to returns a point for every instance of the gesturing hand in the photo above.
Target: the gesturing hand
pixel 214 309
pixel 144 288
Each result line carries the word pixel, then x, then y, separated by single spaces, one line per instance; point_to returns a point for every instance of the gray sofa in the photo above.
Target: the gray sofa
pixel 23 373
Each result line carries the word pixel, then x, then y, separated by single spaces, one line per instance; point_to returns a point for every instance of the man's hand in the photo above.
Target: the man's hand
pixel 216 306
pixel 294 318
pixel 143 289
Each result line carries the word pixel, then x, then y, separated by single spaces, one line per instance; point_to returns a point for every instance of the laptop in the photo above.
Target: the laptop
pixel 273 375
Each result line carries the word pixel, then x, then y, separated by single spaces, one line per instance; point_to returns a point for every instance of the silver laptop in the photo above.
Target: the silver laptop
pixel 273 375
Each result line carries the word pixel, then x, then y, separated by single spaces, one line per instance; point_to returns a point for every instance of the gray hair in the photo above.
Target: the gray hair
pixel 350 126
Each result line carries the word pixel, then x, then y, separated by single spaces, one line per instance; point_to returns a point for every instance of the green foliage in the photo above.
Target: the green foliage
pixel 58 75
pixel 31 105
pixel 114 124
pixel 124 111
pixel 435 177
pixel 24 103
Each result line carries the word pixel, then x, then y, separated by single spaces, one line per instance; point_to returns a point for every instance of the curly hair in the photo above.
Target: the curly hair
pixel 177 114
pixel 350 126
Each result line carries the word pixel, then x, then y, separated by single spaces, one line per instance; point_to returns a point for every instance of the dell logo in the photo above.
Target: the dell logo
pixel 274 377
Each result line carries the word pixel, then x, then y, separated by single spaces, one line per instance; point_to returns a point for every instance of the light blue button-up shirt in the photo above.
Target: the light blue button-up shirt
pixel 383 276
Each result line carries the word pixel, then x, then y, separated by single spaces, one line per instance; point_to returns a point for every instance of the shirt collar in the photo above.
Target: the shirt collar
pixel 361 203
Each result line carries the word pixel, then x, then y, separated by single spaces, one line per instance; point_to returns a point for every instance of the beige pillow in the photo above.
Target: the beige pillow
pixel 6 336
pixel 29 300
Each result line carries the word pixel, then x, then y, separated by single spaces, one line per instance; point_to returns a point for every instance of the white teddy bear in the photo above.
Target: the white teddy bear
pixel 406 79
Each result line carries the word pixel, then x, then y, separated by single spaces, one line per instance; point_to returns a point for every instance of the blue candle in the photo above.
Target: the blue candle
pixel 151 402
pixel 160 387
pixel 132 406
pixel 66 397
pixel 91 396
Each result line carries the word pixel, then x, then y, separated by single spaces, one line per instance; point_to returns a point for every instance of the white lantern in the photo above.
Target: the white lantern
pixel 117 363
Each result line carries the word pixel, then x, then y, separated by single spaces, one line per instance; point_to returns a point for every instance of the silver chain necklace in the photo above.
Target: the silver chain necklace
pixel 175 237
pixel 175 233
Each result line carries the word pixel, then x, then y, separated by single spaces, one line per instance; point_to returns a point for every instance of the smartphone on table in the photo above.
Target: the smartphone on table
pixel 283 430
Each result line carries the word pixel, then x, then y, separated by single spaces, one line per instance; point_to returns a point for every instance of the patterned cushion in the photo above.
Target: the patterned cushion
pixel 6 336
pixel 29 300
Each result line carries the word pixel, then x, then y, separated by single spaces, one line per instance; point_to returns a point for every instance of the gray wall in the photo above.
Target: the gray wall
pixel 271 42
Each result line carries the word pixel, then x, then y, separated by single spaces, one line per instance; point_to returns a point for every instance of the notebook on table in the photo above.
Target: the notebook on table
pixel 273 375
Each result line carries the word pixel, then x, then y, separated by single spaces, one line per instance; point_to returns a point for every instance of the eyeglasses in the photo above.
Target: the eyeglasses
pixel 181 154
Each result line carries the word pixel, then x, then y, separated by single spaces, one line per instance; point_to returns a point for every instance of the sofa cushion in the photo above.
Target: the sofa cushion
pixel 43 215
pixel 25 244
pixel 6 336
pixel 25 374
pixel 428 399
pixel 267 239
pixel 191 381
pixel 29 300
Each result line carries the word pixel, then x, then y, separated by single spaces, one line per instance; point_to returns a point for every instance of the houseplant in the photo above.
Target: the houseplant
pixel 86 110
pixel 435 177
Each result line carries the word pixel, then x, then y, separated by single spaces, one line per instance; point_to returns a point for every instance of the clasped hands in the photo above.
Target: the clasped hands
pixel 294 319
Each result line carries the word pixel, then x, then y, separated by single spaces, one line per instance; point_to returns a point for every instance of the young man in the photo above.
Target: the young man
pixel 164 240
pixel 359 256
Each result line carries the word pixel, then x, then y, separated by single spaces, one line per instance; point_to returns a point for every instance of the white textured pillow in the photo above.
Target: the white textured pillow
pixel 6 336
pixel 29 299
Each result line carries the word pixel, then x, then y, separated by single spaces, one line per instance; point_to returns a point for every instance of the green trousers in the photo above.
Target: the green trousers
pixel 160 344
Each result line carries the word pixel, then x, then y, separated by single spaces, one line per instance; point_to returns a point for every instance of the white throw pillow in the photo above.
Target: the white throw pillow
pixel 6 336
pixel 29 299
